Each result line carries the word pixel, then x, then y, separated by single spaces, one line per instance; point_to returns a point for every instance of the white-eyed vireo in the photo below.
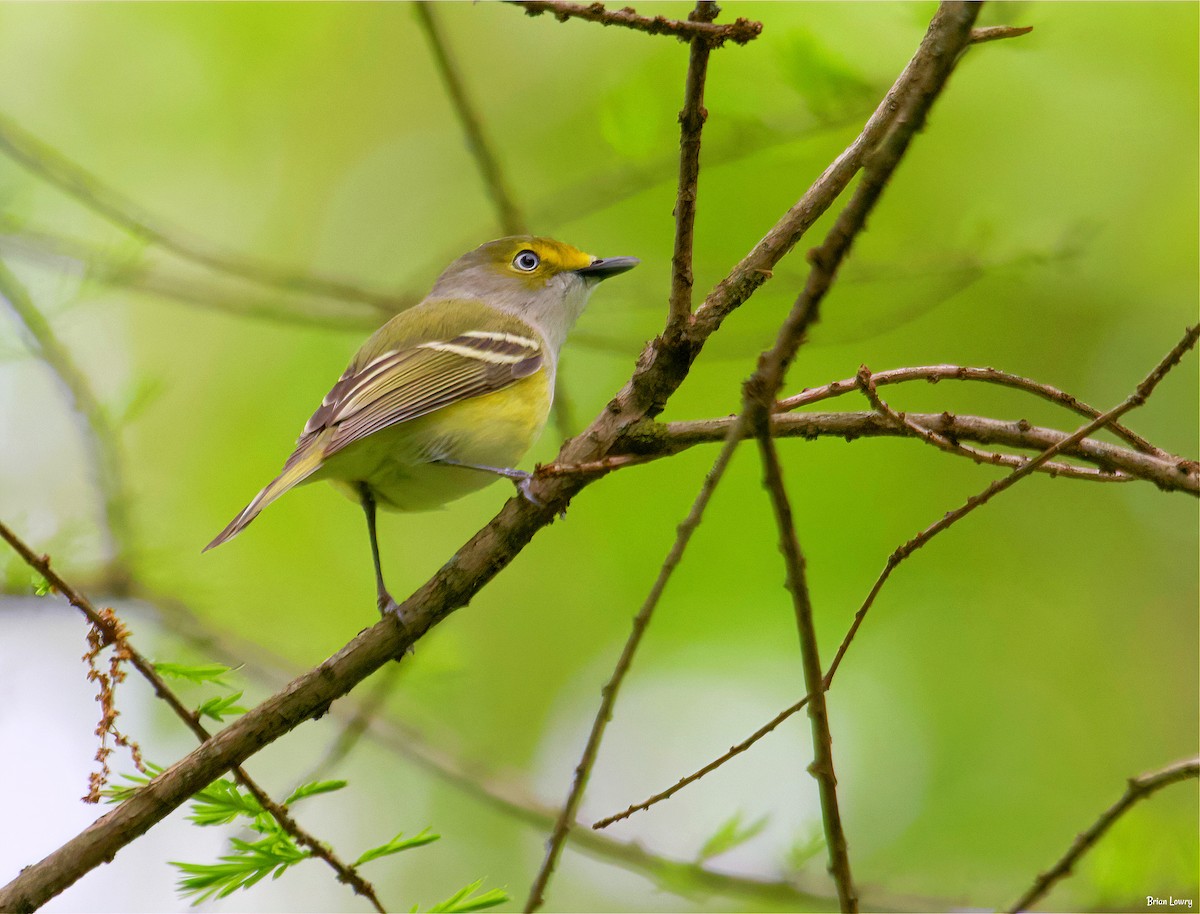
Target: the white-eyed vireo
pixel 450 394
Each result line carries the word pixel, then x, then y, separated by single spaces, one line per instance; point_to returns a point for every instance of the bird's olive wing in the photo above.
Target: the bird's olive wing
pixel 401 385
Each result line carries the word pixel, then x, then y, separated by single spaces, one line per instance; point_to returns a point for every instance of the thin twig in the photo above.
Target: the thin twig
pixel 41 564
pixel 55 168
pixel 736 749
pixel 740 31
pixel 512 221
pixel 99 434
pixel 212 291
pixel 476 781
pixel 652 441
pixel 570 810
pixel 941 442
pixel 1134 400
pixel 691 123
pixel 797 583
pixel 755 268
pixel 1137 398
pixel 935 373
pixel 998 32
pixel 1137 788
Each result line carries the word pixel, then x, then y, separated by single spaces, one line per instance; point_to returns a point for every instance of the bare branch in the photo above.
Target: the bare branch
pixel 797 583
pixel 511 219
pixel 736 749
pixel 755 268
pixel 203 289
pixel 568 814
pixel 935 373
pixel 1138 788
pixel 652 441
pixel 998 32
pixel 99 435
pixel 1134 400
pixel 691 121
pixel 1137 398
pixel 941 442
pixel 55 168
pixel 740 31
pixel 114 633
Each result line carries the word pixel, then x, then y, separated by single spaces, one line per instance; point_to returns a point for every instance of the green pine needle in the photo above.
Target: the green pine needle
pixel 461 901
pixel 218 708
pixel 198 673
pixel 730 835
pixel 119 793
pixel 250 862
pixel 396 845
pixel 312 789
pixel 221 802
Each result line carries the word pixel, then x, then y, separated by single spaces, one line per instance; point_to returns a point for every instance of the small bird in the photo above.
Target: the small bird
pixel 448 395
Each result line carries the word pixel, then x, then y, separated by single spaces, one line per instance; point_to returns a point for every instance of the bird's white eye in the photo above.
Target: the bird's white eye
pixel 526 261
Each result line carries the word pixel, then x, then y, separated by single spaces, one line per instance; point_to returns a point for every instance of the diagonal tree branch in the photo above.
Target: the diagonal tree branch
pixel 797 583
pixel 691 121
pixel 740 31
pixel 99 435
pixel 511 219
pixel 113 634
pixel 1138 398
pixel 1061 445
pixel 55 168
pixel 935 373
pixel 1138 788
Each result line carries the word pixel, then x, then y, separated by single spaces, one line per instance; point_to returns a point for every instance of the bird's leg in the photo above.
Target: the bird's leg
pixel 519 478
pixel 386 603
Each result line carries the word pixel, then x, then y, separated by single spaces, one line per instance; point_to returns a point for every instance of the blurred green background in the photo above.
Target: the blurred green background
pixel 1011 676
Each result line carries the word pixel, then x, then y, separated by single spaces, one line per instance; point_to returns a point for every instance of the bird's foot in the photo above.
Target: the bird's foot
pixel 524 485
pixel 390 609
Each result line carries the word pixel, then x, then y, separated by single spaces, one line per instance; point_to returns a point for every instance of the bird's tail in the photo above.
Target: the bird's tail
pixel 303 463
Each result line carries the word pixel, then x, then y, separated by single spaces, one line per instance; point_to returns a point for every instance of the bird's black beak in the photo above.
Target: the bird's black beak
pixel 606 267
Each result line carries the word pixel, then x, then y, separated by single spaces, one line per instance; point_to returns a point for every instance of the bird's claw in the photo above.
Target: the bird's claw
pixel 525 487
pixel 390 609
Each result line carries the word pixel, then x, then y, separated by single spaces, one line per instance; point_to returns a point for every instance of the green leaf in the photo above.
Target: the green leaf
pixel 312 789
pixel 730 835
pixel 396 845
pixel 829 85
pixel 40 585
pixel 461 901
pixel 119 793
pixel 221 802
pixel 806 848
pixel 250 862
pixel 217 708
pixel 133 401
pixel 198 673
